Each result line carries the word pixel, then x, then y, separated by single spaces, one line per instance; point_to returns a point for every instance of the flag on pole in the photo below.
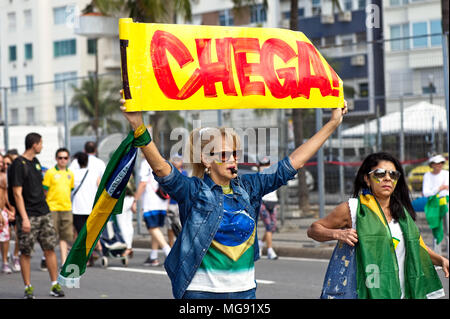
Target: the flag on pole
pixel 108 201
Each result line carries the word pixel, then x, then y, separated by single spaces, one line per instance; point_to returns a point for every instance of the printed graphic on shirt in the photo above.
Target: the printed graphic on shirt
pixel 229 262
pixel 396 241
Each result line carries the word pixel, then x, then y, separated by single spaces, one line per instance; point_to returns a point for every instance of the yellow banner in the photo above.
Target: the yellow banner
pixel 191 67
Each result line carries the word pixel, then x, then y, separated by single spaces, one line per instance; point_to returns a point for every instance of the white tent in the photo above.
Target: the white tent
pixel 419 118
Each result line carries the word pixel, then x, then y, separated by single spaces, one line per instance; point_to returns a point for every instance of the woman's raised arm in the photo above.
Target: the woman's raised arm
pixel 151 153
pixel 305 151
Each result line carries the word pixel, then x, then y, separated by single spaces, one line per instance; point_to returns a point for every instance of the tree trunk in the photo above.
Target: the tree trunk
pixel 297 115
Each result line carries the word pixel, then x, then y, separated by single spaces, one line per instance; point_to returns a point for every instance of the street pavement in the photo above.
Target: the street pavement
pixel 297 274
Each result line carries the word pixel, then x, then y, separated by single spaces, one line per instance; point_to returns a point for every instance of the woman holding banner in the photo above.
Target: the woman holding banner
pixel 391 259
pixel 213 257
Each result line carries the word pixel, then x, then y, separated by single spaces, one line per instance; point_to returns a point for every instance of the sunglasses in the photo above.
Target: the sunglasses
pixel 381 173
pixel 63 158
pixel 225 155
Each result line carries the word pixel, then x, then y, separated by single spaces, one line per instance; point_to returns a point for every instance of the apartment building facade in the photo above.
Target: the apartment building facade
pixel 42 56
pixel 413 63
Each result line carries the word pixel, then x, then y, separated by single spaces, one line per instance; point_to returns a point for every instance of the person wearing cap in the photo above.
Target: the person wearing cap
pixel 435 187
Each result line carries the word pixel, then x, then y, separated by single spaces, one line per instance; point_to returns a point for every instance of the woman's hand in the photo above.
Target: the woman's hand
pixel 337 114
pixel 348 236
pixel 134 118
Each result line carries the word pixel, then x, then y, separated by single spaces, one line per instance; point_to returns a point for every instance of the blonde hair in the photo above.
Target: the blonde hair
pixel 198 140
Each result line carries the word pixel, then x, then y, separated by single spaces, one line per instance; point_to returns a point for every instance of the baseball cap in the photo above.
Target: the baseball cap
pixel 436 159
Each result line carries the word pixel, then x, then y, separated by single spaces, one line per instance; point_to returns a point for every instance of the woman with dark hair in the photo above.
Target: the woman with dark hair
pixel 392 261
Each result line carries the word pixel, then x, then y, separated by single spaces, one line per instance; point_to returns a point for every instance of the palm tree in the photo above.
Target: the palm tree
pixel 148 11
pixel 84 99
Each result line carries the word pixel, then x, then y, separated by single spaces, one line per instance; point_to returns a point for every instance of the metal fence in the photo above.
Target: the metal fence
pixel 408 116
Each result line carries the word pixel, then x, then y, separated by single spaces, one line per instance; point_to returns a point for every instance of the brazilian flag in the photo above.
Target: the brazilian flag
pixel 108 200
pixel 377 265
pixel 435 210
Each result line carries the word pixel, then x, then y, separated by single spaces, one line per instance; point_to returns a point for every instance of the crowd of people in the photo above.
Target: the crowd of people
pixel 47 205
pixel 212 216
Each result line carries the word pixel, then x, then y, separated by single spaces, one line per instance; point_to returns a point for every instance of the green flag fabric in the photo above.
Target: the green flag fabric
pixel 108 201
pixel 377 267
pixel 435 210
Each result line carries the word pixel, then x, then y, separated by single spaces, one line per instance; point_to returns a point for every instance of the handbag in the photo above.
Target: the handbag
pixel 340 278
pixel 72 196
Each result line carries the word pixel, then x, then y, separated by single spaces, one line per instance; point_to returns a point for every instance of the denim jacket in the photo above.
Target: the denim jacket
pixel 201 210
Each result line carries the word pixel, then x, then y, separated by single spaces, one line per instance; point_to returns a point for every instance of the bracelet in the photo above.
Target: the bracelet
pixel 141 136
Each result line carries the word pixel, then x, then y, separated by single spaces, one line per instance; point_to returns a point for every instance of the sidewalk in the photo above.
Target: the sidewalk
pixel 291 240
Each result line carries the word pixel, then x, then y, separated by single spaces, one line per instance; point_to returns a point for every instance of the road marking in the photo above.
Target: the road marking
pixel 143 271
pixel 262 257
pixel 161 272
pixel 304 259
pixel 265 282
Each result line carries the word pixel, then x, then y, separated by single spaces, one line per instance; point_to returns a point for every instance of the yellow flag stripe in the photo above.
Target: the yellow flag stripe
pixel 237 251
pixel 371 203
pixel 98 217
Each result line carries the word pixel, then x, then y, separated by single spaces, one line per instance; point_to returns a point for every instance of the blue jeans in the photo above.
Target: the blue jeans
pixel 248 294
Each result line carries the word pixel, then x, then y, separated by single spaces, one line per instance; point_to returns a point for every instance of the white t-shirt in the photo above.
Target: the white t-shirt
pixel 271 197
pixel 96 165
pixel 399 245
pixel 432 182
pixel 150 201
pixel 83 200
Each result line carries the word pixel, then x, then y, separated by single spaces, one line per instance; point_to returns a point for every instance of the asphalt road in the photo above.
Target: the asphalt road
pixel 285 278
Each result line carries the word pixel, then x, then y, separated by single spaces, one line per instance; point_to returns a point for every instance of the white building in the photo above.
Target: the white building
pixel 39 45
pixel 39 48
pixel 413 65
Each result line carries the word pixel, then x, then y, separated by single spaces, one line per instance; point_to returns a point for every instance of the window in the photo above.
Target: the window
pixel 68 77
pixel 399 31
pixel 329 41
pixel 64 48
pixel 30 115
pixel 27 19
pixel 419 30
pixel 63 15
pixel 435 28
pixel 398 2
pixel 14 116
pixel 347 43
pixel 348 5
pixel 30 83
pixel 287 14
pixel 361 4
pixel 73 114
pixel 363 89
pixel 13 84
pixel 226 18
pixel 91 46
pixel 11 21
pixel 12 53
pixel 361 39
pixel 316 9
pixel 28 51
pixel 432 80
pixel 258 14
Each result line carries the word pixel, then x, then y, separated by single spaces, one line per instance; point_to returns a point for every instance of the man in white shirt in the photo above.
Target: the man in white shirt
pixel 435 183
pixel 154 212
